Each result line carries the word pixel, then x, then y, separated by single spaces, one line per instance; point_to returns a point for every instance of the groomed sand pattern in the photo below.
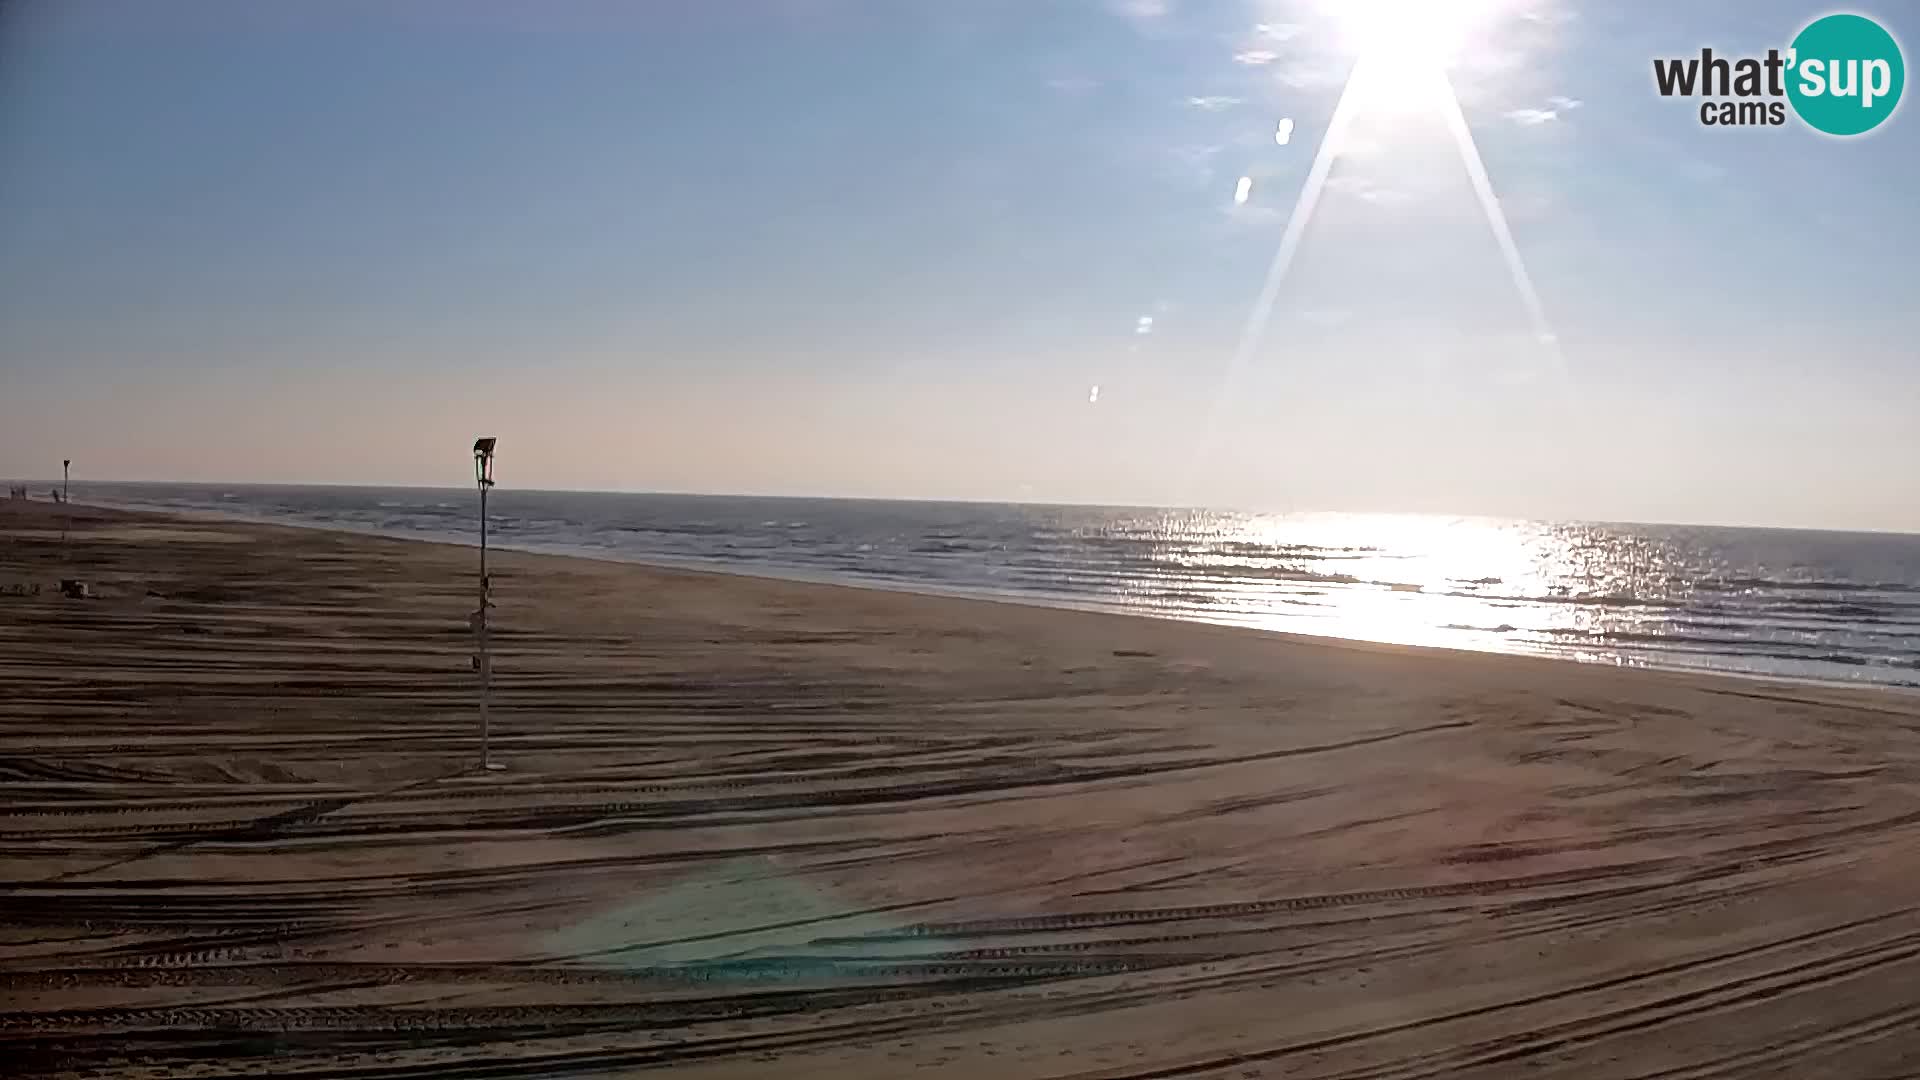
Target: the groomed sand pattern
pixel 754 828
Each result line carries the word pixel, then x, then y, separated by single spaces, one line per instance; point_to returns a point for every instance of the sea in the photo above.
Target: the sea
pixel 1822 606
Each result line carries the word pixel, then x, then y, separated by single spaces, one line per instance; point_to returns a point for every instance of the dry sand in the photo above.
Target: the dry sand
pixel 754 828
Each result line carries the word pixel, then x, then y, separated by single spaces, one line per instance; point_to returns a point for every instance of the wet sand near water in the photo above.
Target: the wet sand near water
pixel 753 828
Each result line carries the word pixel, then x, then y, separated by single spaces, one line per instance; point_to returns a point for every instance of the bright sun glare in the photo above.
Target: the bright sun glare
pixel 1403 46
pixel 1429 31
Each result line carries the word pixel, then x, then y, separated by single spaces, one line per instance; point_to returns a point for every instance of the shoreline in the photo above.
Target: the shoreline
pixel 1035 600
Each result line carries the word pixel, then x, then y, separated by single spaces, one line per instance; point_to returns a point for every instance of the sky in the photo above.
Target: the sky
pixel 969 249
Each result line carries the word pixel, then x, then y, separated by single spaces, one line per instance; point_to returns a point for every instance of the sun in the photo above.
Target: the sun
pixel 1431 31
pixel 1402 48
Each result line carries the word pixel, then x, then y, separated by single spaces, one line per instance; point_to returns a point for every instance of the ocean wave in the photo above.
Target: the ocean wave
pixel 1609 601
pixel 1188 545
pixel 1868 612
pixel 1816 585
pixel 946 547
pixel 1186 598
pixel 1772 648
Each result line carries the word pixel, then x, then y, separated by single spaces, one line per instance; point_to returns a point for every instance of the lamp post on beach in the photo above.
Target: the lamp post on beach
pixel 483 477
pixel 66 515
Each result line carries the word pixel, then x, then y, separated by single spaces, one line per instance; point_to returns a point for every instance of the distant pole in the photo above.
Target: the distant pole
pixel 66 515
pixel 483 659
pixel 486 658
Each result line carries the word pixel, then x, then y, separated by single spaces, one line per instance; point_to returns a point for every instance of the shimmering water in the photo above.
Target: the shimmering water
pixel 1819 605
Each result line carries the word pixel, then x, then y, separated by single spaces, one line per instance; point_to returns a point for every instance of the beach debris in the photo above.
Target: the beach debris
pixel 20 589
pixel 74 589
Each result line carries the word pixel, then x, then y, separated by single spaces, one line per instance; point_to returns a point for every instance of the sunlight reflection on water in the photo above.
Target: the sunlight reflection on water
pixel 1836 606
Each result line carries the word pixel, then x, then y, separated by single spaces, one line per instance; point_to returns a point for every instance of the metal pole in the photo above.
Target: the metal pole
pixel 486 661
pixel 66 515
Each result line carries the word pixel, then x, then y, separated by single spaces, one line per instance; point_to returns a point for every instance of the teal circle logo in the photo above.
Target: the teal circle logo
pixel 1845 74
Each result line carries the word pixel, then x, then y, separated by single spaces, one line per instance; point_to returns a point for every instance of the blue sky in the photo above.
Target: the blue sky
pixel 888 248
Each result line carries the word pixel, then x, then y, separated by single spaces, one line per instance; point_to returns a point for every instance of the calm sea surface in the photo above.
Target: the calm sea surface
pixel 1814 605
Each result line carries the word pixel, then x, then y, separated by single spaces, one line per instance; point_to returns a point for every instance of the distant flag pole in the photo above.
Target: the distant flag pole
pixel 482 660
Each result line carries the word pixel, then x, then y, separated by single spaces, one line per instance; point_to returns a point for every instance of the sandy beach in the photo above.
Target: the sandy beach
pixel 757 828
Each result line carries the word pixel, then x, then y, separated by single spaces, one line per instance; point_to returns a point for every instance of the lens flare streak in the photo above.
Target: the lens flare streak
pixel 1256 324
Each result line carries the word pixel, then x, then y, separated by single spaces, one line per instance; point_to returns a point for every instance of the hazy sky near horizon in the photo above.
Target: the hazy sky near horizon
pixel 855 247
